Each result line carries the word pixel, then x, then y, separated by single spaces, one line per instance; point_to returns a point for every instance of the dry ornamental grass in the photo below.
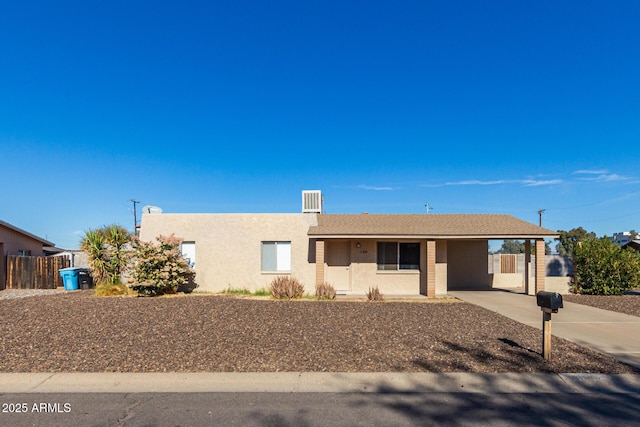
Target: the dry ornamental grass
pixel 78 332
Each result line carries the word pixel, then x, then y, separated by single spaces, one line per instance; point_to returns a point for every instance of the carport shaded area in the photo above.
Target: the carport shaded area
pixel 452 250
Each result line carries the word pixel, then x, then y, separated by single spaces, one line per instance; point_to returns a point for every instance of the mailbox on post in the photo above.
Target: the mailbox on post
pixel 549 302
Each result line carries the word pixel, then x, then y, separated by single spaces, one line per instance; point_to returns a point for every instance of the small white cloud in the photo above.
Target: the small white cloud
pixel 525 182
pixel 590 172
pixel 78 233
pixel 612 177
pixel 478 182
pixel 537 183
pixel 374 188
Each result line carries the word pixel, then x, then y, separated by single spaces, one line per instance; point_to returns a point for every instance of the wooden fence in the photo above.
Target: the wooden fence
pixel 508 263
pixel 35 272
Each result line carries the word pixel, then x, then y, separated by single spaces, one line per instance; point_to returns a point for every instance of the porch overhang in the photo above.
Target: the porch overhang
pixel 433 232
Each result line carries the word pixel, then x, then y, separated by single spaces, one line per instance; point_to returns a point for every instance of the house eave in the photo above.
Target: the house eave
pixel 436 236
pixel 26 233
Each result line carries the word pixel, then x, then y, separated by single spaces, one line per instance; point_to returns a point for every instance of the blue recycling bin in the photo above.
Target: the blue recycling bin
pixel 69 278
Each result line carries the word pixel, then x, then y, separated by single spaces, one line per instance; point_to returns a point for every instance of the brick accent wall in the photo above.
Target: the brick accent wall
pixel 431 269
pixel 541 268
pixel 319 262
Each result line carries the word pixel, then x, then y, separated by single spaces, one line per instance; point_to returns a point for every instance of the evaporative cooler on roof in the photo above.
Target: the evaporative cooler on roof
pixel 312 201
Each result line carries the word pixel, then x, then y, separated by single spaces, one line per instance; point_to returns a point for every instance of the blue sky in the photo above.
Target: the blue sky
pixel 205 106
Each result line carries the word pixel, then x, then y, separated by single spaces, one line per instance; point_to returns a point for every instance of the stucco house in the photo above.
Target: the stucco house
pixel 15 241
pixel 402 254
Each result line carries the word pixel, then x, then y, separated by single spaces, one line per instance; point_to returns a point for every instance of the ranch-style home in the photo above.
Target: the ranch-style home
pixel 401 254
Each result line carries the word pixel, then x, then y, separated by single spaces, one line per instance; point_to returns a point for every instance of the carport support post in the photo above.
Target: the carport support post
pixel 319 262
pixel 546 333
pixel 431 268
pixel 527 267
pixel 541 270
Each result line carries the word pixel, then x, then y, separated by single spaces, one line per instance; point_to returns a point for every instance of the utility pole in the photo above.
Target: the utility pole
pixel 135 216
pixel 540 211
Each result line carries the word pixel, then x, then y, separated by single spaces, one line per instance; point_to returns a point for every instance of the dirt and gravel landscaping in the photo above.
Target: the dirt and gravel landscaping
pixel 627 304
pixel 78 332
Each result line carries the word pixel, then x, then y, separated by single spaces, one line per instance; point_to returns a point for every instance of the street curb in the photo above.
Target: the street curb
pixel 316 382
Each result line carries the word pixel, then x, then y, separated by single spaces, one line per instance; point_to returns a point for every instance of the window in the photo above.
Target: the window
pixel 188 250
pixel 24 252
pixel 276 256
pixel 398 256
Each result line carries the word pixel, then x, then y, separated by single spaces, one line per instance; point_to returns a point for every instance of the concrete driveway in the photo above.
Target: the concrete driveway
pixel 608 332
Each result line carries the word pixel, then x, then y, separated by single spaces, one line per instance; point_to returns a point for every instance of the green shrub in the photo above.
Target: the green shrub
pixel 374 294
pixel 286 287
pixel 262 292
pixel 159 268
pixel 325 291
pixel 603 268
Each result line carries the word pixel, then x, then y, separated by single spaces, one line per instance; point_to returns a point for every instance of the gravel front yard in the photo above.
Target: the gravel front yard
pixel 78 332
pixel 627 304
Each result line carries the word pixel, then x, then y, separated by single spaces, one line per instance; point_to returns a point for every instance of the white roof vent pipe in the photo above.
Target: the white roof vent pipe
pixel 312 201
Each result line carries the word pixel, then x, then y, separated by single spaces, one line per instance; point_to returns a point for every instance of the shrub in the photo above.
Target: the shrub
pixel 159 268
pixel 262 292
pixel 325 291
pixel 108 252
pixel 603 268
pixel 286 287
pixel 374 294
pixel 111 289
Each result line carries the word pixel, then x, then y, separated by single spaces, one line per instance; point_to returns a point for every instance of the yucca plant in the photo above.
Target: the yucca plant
pixel 325 291
pixel 106 249
pixel 374 294
pixel 286 287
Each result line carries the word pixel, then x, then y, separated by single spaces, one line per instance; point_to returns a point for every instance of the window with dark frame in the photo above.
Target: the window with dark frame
pixel 398 255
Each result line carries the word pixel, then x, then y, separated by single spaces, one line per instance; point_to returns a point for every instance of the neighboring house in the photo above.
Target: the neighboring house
pixel 402 254
pixel 15 241
pixel 634 244
pixel 623 238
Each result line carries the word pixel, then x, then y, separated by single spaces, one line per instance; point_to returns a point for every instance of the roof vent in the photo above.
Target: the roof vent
pixel 311 201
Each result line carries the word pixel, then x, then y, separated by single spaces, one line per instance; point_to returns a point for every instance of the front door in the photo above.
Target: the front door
pixel 338 253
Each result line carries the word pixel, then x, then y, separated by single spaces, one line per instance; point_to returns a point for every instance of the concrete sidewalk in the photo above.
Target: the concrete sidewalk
pixel 316 382
pixel 608 332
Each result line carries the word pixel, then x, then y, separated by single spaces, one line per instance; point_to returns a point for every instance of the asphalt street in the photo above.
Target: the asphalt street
pixel 322 409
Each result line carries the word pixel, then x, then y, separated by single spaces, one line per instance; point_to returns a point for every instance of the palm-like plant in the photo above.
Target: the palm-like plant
pixel 106 249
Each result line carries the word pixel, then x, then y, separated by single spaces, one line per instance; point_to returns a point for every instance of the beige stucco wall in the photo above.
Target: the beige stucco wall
pixel 15 242
pixel 365 273
pixel 229 246
pixel 560 284
pixel 467 264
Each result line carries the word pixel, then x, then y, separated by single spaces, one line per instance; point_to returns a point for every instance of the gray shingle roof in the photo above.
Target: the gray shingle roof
pixel 491 226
